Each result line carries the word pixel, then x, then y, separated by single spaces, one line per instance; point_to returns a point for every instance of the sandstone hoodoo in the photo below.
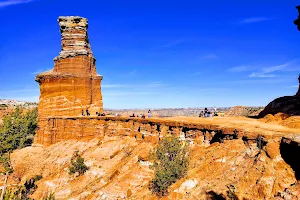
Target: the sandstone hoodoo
pixel 73 85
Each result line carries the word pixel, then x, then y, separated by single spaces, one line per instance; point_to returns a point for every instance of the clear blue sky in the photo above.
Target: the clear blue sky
pixel 155 54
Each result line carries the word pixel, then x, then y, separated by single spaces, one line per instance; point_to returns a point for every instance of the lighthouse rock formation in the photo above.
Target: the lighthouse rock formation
pixel 73 84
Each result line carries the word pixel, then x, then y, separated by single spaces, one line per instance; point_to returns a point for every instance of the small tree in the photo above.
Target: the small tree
pixel 6 164
pixel 77 164
pixel 171 158
pixel 17 130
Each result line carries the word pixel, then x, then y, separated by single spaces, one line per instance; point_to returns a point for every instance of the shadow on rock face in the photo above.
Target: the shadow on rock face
pixel 290 152
pixel 211 195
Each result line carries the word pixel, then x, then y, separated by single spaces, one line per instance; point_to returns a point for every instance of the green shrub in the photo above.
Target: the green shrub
pixel 17 130
pixel 171 158
pixel 6 164
pixel 77 164
pixel 231 192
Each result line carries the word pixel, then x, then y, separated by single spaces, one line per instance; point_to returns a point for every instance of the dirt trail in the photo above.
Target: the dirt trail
pixel 248 125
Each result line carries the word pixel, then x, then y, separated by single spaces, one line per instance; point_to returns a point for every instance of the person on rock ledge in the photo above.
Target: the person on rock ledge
pixel 82 112
pixel 149 113
pixel 87 112
pixel 201 114
pixel 205 112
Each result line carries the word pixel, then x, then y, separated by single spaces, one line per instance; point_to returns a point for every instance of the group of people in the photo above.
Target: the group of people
pixel 207 113
pixel 88 113
pixel 143 116
pixel 100 114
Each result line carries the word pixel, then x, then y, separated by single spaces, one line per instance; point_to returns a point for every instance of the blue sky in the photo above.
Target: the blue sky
pixel 155 54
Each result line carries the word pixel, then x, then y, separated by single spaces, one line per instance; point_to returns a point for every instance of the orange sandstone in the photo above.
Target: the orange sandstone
pixel 73 85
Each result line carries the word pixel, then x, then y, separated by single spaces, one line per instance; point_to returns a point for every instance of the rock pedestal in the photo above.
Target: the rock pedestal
pixel 73 85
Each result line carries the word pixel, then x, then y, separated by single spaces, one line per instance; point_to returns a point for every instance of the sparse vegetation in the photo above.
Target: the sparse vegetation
pixel 49 196
pixel 6 164
pixel 171 158
pixel 128 150
pixel 17 130
pixel 77 164
pixel 231 192
pixel 22 192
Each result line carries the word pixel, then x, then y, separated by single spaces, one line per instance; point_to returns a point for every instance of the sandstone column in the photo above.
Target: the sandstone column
pixel 73 85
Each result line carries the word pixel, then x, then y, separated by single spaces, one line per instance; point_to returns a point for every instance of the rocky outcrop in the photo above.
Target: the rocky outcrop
pixel 288 104
pixel 116 173
pixel 59 129
pixel 73 85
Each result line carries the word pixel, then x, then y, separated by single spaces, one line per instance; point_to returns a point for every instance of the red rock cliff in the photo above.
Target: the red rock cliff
pixel 73 85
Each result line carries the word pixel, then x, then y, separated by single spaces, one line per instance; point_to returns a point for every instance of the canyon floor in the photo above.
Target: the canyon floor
pixel 120 166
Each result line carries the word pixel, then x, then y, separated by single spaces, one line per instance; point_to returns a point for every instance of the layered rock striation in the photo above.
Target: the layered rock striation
pixel 73 85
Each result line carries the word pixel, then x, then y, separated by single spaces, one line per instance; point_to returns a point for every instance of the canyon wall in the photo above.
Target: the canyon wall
pixel 58 129
pixel 73 85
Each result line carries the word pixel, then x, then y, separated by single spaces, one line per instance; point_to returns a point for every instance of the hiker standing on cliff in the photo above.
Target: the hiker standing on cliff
pixel 149 113
pixel 82 112
pixel 205 112
pixel 201 114
pixel 215 111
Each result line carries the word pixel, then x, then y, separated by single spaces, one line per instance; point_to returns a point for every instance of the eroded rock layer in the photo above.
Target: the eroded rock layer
pixel 120 167
pixel 59 129
pixel 73 85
